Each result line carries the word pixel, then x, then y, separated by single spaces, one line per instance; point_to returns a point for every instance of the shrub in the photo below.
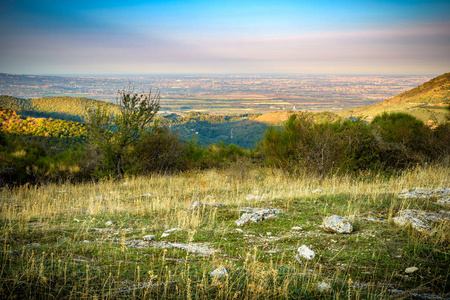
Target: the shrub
pixel 405 133
pixel 159 150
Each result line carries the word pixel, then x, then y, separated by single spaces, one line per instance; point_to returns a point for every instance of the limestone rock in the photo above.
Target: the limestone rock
pixel 304 252
pixel 444 201
pixel 417 224
pixel 337 224
pixel 219 272
pixel 411 270
pixel 172 230
pixel 195 205
pixel 257 216
pixel 165 234
pixel 323 287
pixel 109 223
pixel 425 216
pixel 420 193
pixel 297 228
pixel 148 237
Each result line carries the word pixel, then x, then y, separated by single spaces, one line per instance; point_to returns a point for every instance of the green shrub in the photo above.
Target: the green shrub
pixel 404 132
pixel 158 150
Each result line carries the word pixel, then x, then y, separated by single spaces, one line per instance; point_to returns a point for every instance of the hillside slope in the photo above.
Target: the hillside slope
pixel 63 108
pixel 426 102
pixel 279 117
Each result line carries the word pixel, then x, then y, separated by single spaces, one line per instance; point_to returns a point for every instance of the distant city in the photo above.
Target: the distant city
pixel 230 94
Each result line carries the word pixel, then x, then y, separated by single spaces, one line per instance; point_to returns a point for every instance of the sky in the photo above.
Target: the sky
pixel 185 37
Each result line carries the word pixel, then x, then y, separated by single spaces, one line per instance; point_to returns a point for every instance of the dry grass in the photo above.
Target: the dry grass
pixel 53 246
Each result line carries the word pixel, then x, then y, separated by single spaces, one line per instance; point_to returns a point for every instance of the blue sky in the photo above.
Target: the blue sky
pixel 142 37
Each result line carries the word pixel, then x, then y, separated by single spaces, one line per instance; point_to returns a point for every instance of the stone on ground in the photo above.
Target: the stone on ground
pixel 337 224
pixel 323 287
pixel 219 272
pixel 304 252
pixel 411 270
pixel 257 216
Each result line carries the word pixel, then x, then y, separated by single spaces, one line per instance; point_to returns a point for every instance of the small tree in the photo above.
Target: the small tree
pixel 111 134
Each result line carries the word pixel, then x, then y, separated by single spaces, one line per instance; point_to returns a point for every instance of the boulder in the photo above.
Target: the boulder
pixel 337 224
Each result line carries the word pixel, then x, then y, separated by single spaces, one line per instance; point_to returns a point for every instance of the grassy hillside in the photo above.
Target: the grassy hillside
pixel 64 108
pixel 426 102
pixel 110 239
pixel 279 117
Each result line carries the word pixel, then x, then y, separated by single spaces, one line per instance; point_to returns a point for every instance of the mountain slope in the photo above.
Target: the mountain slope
pixel 427 101
pixel 64 108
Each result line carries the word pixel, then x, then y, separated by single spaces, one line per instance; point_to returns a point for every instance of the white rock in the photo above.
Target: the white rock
pixel 411 217
pixel 269 233
pixel 297 228
pixel 305 252
pixel 445 201
pixel 173 230
pixel 337 224
pixel 317 191
pixel 239 230
pixel 411 270
pixel 323 287
pixel 165 234
pixel 257 216
pixel 195 205
pixel 148 237
pixel 109 223
pixel 219 272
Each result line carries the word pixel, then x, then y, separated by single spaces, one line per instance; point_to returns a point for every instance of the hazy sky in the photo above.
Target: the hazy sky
pixel 141 37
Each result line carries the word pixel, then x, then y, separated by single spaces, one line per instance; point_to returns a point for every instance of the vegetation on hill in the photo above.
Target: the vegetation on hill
pixel 426 102
pixel 64 108
pixel 280 117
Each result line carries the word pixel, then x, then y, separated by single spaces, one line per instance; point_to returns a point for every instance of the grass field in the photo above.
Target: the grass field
pixel 56 242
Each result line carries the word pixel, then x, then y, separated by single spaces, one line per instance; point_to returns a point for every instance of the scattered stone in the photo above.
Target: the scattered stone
pixel 194 248
pixel 86 241
pixel 239 230
pixel 420 193
pixel 195 205
pixel 411 270
pixel 136 244
pixel 417 224
pixel 257 216
pixel 425 216
pixel 445 201
pixel 144 286
pixel 337 224
pixel 297 228
pixel 219 272
pixel 173 230
pixel 304 252
pixel 323 287
pixel 269 233
pixel 317 191
pixel 76 220
pixel 109 223
pixel 149 237
pixel 165 234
